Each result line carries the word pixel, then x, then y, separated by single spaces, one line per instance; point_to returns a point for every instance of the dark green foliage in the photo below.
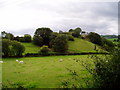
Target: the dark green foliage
pixel 5 47
pixel 70 37
pixel 44 50
pixel 17 48
pixel 107 44
pixel 75 32
pixel 60 44
pixel 12 48
pixel 9 36
pixel 107 70
pixel 6 35
pixel 38 40
pixel 119 44
pixel 27 38
pixel 94 38
pixel 44 33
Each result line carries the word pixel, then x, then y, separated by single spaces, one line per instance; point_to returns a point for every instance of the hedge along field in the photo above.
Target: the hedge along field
pixel 43 72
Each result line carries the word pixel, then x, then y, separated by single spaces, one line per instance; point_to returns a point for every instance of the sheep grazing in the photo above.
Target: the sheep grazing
pixel 61 60
pixel 1 61
pixel 21 62
pixel 17 61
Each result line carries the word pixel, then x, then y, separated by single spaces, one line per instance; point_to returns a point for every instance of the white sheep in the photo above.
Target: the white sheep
pixel 17 61
pixel 61 60
pixel 1 61
pixel 20 61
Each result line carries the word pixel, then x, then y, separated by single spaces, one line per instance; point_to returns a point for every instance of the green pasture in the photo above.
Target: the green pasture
pixel 79 45
pixel 44 72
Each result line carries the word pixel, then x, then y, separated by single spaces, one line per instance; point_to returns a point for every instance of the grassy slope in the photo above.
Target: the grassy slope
pixel 80 45
pixel 31 48
pixel 43 72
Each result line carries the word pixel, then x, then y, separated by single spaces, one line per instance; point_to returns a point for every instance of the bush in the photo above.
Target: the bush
pixel 5 47
pixel 70 37
pixel 38 40
pixel 107 44
pixel 27 38
pixel 17 48
pixel 44 50
pixel 106 73
pixel 12 48
pixel 60 44
pixel 94 38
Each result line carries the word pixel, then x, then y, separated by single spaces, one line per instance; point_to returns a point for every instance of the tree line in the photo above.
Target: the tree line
pixel 49 40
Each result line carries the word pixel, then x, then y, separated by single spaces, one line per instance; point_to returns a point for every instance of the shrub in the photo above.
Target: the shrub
pixel 107 44
pixel 27 38
pixel 60 44
pixel 70 37
pixel 12 48
pixel 5 47
pixel 38 40
pixel 17 48
pixel 44 50
pixel 106 72
pixel 94 38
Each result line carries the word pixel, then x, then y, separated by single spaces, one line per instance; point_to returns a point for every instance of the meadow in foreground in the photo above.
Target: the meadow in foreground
pixel 43 72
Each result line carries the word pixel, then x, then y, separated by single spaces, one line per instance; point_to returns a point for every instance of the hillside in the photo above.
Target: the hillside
pixel 79 45
pixel 31 48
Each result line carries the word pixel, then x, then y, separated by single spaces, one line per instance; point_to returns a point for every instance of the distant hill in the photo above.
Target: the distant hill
pixel 79 45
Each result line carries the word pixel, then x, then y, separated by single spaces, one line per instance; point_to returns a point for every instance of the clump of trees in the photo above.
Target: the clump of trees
pixel 12 48
pixel 60 43
pixel 94 38
pixel 44 33
pixel 75 32
pixel 45 36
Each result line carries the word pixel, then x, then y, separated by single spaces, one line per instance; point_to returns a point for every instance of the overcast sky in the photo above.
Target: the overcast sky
pixel 25 16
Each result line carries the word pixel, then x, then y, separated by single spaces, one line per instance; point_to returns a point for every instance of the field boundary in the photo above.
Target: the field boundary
pixel 55 54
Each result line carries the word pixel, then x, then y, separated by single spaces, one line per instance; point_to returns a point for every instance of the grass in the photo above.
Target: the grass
pixel 80 45
pixel 31 48
pixel 42 72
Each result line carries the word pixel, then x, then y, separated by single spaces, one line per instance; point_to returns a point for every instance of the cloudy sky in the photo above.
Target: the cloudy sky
pixel 25 16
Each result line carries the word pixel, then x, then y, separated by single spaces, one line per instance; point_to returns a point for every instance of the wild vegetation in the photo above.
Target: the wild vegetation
pixel 80 71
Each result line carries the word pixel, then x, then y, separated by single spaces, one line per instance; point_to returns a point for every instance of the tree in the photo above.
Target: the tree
pixel 37 40
pixel 107 44
pixel 60 44
pixel 27 38
pixel 5 47
pixel 9 36
pixel 17 48
pixel 94 38
pixel 44 50
pixel 44 33
pixel 12 48
pixel 105 68
pixel 75 32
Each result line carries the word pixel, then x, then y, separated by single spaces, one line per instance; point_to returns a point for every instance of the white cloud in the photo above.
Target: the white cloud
pixel 24 16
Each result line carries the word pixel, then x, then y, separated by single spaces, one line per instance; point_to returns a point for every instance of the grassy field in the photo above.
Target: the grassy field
pixel 31 48
pixel 43 72
pixel 80 45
